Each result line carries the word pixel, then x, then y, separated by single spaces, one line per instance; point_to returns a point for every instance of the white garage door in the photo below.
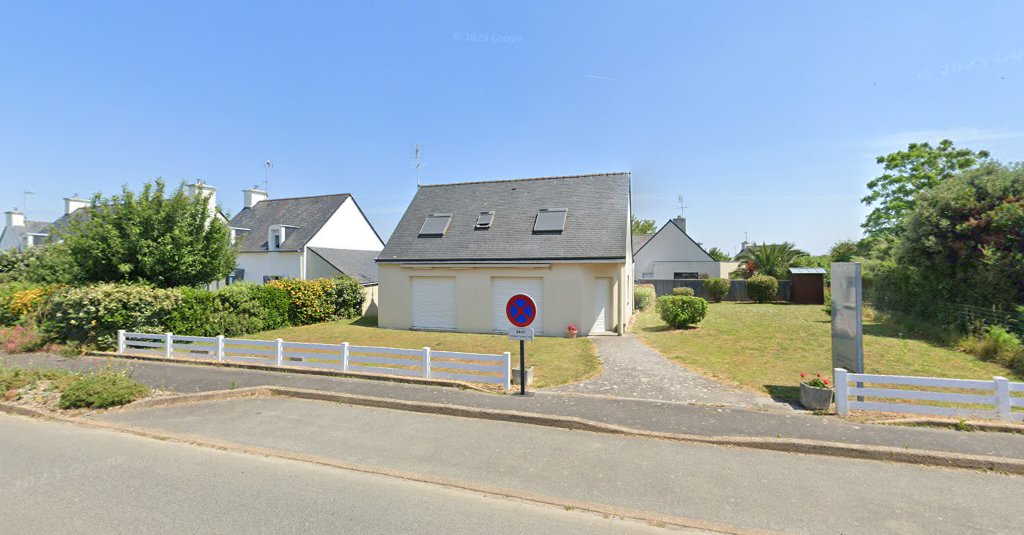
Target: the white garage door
pixel 602 304
pixel 504 288
pixel 433 303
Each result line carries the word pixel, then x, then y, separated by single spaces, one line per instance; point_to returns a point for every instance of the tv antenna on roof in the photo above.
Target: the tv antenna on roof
pixel 267 166
pixel 682 207
pixel 418 151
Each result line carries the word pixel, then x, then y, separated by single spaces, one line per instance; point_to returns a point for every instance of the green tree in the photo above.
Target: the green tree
pixel 908 172
pixel 719 254
pixel 41 264
pixel 965 237
pixel 771 259
pixel 642 226
pixel 844 251
pixel 148 237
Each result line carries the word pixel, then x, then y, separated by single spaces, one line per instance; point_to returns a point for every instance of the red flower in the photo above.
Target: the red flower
pixel 802 375
pixel 819 374
pixel 826 381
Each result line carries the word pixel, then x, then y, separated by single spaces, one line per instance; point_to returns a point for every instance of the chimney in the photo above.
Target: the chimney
pixel 681 222
pixel 253 196
pixel 73 203
pixel 744 245
pixel 210 192
pixel 15 218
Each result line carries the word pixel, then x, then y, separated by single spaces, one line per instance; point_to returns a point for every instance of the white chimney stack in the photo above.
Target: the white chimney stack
pixel 14 218
pixel 253 196
pixel 74 203
pixel 681 222
pixel 210 192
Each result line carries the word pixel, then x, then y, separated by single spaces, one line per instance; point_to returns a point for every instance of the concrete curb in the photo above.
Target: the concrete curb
pixel 989 427
pixel 301 371
pixel 784 445
pixel 563 503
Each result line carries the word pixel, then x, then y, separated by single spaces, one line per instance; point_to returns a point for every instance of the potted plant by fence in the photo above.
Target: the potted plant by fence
pixel 572 331
pixel 815 394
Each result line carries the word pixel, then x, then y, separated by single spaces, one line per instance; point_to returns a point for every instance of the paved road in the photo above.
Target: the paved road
pixel 633 370
pixel 58 478
pixel 654 416
pixel 749 488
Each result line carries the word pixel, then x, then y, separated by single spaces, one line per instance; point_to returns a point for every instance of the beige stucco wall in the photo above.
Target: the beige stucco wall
pixel 568 294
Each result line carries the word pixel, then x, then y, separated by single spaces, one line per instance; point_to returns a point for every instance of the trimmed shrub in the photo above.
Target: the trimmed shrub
pixel 681 311
pixel 643 296
pixel 92 314
pixel 717 289
pixel 312 301
pixel 683 290
pixel 827 307
pixel 193 316
pixel 238 309
pixel 348 297
pixel 101 390
pixel 762 288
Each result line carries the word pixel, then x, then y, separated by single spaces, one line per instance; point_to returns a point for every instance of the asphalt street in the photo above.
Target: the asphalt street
pixel 60 478
pixel 744 487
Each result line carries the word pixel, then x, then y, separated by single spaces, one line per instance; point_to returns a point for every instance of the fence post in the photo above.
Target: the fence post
pixel 842 385
pixel 344 356
pixel 426 363
pixel 120 341
pixel 169 345
pixel 1002 397
pixel 280 350
pixel 220 348
pixel 508 370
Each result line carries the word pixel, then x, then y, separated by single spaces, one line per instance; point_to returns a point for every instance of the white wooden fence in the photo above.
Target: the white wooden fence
pixel 995 398
pixel 425 363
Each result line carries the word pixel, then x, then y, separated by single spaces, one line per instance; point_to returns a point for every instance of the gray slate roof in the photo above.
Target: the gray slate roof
pixel 303 215
pixel 639 240
pixel 360 265
pixel 596 226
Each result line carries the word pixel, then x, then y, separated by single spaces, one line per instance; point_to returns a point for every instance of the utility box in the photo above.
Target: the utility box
pixel 807 286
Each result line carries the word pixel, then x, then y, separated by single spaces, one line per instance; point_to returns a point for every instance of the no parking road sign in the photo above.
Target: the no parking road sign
pixel 521 310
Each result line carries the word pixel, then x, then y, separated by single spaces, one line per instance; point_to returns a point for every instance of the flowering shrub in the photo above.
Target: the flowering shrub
pixel 318 300
pixel 681 310
pixel 93 314
pixel 817 382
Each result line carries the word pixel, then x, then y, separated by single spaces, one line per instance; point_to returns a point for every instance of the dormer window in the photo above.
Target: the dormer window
pixel 238 234
pixel 550 221
pixel 276 236
pixel 435 225
pixel 483 222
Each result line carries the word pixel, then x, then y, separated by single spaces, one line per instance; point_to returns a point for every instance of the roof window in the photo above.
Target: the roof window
pixel 550 221
pixel 484 221
pixel 435 225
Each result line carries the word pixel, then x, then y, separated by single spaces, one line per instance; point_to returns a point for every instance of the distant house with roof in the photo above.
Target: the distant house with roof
pixel 305 238
pixel 20 233
pixel 671 253
pixel 462 250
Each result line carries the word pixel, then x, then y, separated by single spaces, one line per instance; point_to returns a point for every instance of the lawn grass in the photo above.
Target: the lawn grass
pixel 557 360
pixel 765 347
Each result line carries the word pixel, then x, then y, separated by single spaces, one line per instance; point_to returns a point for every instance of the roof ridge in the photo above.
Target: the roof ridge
pixel 526 179
pixel 307 197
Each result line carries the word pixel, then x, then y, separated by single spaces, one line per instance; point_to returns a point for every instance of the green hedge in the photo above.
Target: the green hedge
pixel 762 288
pixel 683 290
pixel 93 314
pixel 241 308
pixel 717 289
pixel 643 296
pixel 681 311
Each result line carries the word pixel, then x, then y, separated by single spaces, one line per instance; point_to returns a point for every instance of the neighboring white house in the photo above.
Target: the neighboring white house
pixel 20 234
pixel 462 250
pixel 671 253
pixel 305 238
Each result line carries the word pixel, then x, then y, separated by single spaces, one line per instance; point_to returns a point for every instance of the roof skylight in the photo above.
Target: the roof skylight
pixel 550 221
pixel 435 225
pixel 484 220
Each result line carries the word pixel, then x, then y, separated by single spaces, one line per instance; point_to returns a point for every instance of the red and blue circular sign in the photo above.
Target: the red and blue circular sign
pixel 521 310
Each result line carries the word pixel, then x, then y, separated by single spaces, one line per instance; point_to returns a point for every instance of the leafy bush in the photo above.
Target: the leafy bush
pixel 238 309
pixel 348 297
pixel 682 290
pixel 717 289
pixel 52 264
pixel 19 339
pixel 643 296
pixel 681 311
pixel 194 314
pixel 92 314
pixel 762 288
pixel 312 301
pixel 997 344
pixel 101 390
pixel 827 307
pixel 7 292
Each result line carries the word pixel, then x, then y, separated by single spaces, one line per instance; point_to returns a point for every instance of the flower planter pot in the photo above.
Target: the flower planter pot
pixel 815 398
pixel 572 334
pixel 516 375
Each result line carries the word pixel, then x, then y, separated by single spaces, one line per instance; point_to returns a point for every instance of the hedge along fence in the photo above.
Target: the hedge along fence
pixel 425 363
pixel 737 288
pixel 93 314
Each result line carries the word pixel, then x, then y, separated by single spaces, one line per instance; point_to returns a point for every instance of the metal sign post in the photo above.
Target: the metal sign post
pixel 521 310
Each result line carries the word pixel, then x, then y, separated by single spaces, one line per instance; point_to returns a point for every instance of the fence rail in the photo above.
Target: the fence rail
pixel 344 357
pixel 987 399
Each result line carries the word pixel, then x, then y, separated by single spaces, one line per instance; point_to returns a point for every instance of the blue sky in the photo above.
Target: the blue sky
pixel 765 116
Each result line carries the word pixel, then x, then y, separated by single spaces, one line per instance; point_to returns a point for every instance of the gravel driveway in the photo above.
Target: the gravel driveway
pixel 633 370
